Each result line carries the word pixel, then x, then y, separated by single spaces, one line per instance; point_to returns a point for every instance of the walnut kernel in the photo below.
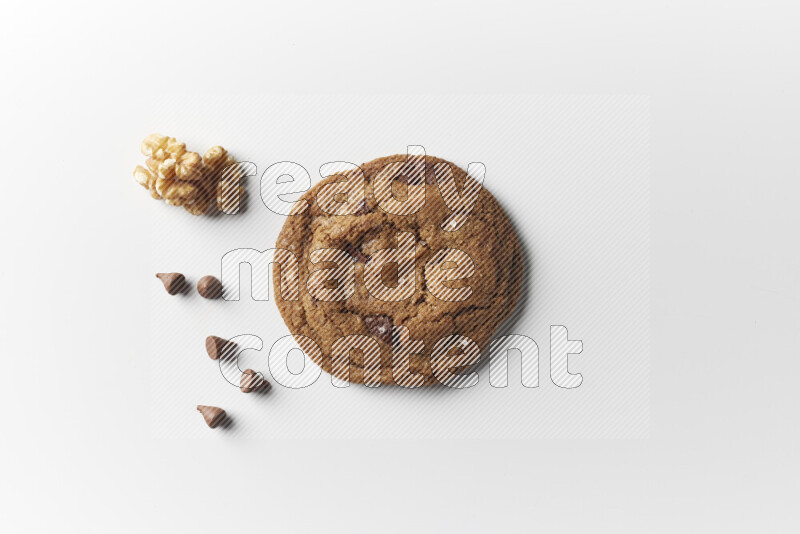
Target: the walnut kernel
pixel 183 178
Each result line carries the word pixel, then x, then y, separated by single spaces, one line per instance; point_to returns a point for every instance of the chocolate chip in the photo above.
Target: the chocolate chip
pixel 209 287
pixel 213 415
pixel 415 179
pixel 218 347
pixel 380 327
pixel 363 209
pixel 173 282
pixel 430 176
pixel 252 381
pixel 356 253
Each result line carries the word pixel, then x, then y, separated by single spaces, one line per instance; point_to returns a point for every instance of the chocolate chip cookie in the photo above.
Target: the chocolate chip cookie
pixel 398 273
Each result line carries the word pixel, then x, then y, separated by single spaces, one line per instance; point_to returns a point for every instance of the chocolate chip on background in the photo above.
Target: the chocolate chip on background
pixel 380 327
pixel 212 414
pixel 173 282
pixel 218 347
pixel 209 287
pixel 252 381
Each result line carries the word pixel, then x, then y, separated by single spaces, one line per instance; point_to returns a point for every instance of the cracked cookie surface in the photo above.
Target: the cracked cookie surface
pixel 487 237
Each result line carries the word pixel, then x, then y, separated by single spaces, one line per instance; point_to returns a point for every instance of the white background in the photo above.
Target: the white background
pixel 77 451
pixel 571 171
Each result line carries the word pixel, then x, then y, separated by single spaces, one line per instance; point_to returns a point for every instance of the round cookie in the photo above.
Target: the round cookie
pixel 487 238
